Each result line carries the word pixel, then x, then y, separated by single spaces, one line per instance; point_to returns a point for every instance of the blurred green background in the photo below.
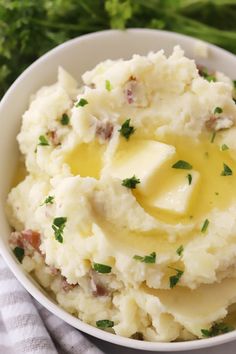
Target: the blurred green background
pixel 29 28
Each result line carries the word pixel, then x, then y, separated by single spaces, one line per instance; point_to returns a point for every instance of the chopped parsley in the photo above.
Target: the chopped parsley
pixel 58 226
pixel 43 141
pixel 224 147
pixel 213 137
pixel 103 324
pixel 218 110
pixel 82 102
pixel 190 178
pixel 146 259
pixel 19 253
pixel 216 329
pixel 180 250
pixel 130 182
pixel 126 129
pixel 205 225
pixel 101 268
pixel 226 171
pixel 181 164
pixel 65 120
pixel 174 279
pixel 108 85
pixel 48 200
pixel 204 73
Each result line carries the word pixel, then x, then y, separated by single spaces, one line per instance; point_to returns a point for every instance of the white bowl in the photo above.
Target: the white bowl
pixel 77 56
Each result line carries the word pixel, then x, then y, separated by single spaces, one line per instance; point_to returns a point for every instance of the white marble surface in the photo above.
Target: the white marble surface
pixel 229 348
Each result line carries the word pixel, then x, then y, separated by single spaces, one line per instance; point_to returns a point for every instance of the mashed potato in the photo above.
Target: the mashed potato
pixel 127 211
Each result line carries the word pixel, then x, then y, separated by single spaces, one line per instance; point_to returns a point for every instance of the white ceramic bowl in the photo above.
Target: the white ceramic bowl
pixel 77 56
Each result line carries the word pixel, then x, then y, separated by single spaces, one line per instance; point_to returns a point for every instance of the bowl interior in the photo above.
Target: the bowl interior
pixel 77 56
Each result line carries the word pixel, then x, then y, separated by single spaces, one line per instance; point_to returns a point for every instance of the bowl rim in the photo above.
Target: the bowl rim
pixel 37 293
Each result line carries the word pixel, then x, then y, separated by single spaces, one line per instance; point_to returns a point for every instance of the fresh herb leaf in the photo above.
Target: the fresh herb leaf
pixel 146 259
pixel 190 178
pixel 226 171
pixel 126 129
pixel 180 250
pixel 181 164
pixel 82 102
pixel 108 85
pixel 218 110
pixel 58 226
pixel 65 120
pixel 205 225
pixel 224 147
pixel 216 329
pixel 103 324
pixel 19 253
pixel 130 182
pixel 102 268
pixel 213 137
pixel 174 279
pixel 43 141
pixel 48 200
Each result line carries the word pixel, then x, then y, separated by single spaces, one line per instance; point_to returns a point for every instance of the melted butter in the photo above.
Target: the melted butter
pixel 86 159
pixel 213 191
pixel 21 173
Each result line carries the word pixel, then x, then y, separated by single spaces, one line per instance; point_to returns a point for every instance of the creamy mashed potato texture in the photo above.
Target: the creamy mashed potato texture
pixel 127 211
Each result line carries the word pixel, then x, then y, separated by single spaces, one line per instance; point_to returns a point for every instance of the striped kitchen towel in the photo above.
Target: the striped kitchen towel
pixel 27 327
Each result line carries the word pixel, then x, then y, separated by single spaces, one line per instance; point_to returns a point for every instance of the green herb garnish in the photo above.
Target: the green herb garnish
pixel 137 336
pixel 205 226
pixel 65 120
pixel 82 102
pixel 146 259
pixel 190 178
pixel 43 141
pixel 126 129
pixel 101 268
pixel 180 250
pixel 58 226
pixel 108 85
pixel 224 147
pixel 130 182
pixel 216 329
pixel 226 171
pixel 218 110
pixel 181 164
pixel 48 200
pixel 19 253
pixel 103 324
pixel 174 279
pixel 213 137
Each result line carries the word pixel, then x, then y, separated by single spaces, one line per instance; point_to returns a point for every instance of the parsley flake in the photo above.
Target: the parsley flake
pixel 205 225
pixel 226 171
pixel 224 147
pixel 174 279
pixel 108 85
pixel 181 164
pixel 218 110
pixel 48 200
pixel 130 182
pixel 180 250
pixel 82 102
pixel 19 252
pixel 213 137
pixel 126 129
pixel 103 324
pixel 65 120
pixel 216 329
pixel 58 226
pixel 43 141
pixel 101 268
pixel 190 178
pixel 146 259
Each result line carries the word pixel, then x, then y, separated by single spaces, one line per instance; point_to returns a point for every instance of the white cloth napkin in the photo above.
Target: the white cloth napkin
pixel 27 327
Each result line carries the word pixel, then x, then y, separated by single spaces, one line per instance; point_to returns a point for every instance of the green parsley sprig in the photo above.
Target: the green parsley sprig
pixel 182 165
pixel 19 252
pixel 180 250
pixel 126 129
pixel 226 171
pixel 82 102
pixel 205 226
pixel 146 259
pixel 102 268
pixel 216 329
pixel 103 324
pixel 130 182
pixel 48 200
pixel 174 279
pixel 58 226
pixel 43 141
pixel 65 120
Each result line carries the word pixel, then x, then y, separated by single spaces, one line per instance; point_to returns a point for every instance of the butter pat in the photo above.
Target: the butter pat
pixel 176 193
pixel 146 159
